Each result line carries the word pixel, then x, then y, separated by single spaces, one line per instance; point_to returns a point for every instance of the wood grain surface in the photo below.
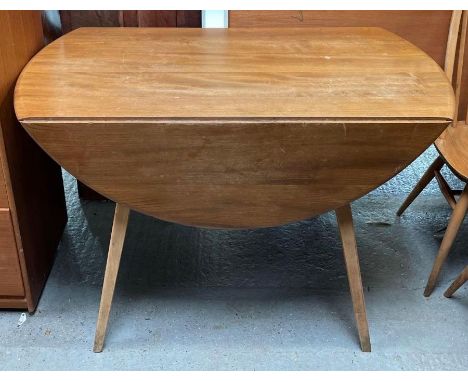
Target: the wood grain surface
pixel 236 73
pixel 453 142
pixel 452 145
pixel 11 282
pixel 426 29
pixel 235 128
pixel 232 174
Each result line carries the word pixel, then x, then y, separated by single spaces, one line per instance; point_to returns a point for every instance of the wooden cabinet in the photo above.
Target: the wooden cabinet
pixel 11 282
pixel 32 201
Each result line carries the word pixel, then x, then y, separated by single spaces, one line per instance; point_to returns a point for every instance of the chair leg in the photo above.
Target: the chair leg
pixel 119 229
pixel 445 189
pixel 451 232
pixel 423 182
pixel 459 281
pixel 345 223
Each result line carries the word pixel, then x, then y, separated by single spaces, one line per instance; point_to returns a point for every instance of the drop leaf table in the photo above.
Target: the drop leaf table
pixel 233 128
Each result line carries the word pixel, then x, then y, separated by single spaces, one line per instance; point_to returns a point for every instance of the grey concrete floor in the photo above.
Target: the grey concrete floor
pixel 267 299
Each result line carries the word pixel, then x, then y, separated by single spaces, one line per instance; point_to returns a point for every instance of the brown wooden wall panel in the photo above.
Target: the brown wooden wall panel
pixel 189 19
pixel 128 18
pixel 75 19
pixel 11 283
pixel 426 29
pixel 142 19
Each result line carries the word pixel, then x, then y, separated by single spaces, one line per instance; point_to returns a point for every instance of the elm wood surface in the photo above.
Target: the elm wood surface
pixel 234 174
pixel 453 142
pixel 453 147
pixel 428 30
pixel 234 73
pixel 450 53
pixel 33 207
pixel 234 128
pixel 75 19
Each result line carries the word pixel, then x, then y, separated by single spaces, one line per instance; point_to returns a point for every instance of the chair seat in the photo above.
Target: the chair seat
pixel 453 147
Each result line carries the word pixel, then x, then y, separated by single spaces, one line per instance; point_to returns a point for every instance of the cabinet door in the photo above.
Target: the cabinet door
pixel 11 283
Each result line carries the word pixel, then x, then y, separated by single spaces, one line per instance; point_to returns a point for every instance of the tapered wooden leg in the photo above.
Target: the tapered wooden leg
pixel 345 223
pixel 119 228
pixel 459 281
pixel 423 182
pixel 445 189
pixel 456 219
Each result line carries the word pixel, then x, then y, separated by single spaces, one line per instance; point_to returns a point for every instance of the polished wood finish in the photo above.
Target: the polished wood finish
pixel 459 281
pixel 281 73
pixel 233 174
pixel 455 221
pixel 345 224
pixel 428 30
pixel 119 228
pixel 452 146
pixel 12 302
pixel 11 282
pixel 461 59
pixel 451 50
pixel 32 180
pixel 75 19
pixel 227 125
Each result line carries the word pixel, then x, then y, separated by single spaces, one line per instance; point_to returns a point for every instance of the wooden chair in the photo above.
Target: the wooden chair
pixel 452 146
pixel 459 281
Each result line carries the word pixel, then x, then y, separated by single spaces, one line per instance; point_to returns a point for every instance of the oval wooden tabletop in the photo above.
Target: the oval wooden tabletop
pixel 199 73
pixel 233 128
